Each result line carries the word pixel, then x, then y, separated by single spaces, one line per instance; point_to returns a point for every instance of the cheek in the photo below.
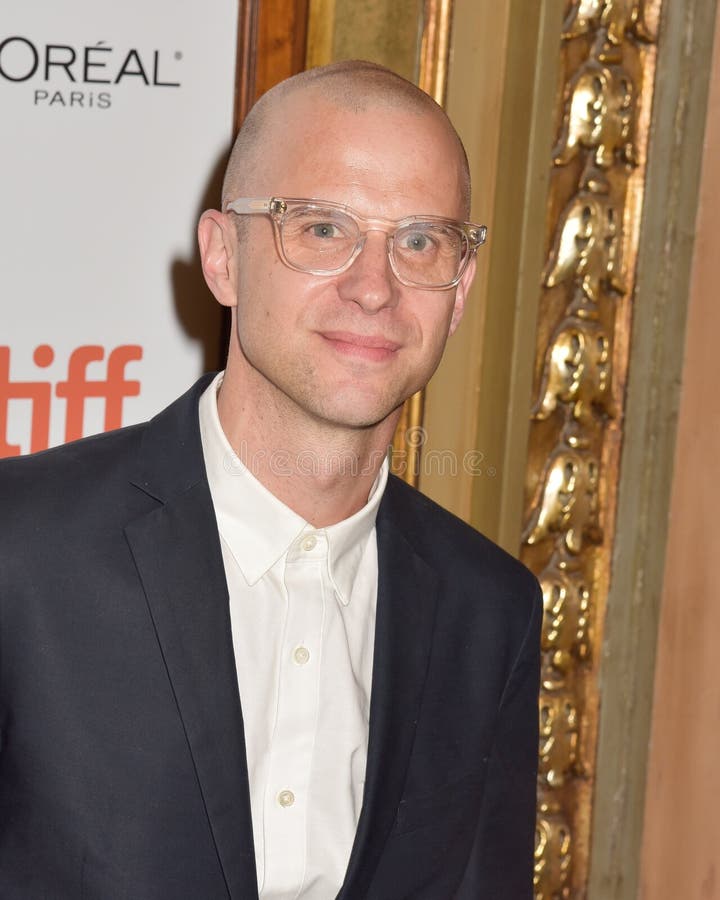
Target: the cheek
pixel 260 292
pixel 260 326
pixel 434 327
pixel 270 310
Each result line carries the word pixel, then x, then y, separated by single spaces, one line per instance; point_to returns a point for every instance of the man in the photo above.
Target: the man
pixel 237 657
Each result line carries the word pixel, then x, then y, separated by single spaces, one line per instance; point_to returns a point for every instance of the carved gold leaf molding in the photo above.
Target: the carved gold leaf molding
pixel 594 206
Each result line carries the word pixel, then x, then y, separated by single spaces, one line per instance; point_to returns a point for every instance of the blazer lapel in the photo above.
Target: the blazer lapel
pixel 177 553
pixel 407 592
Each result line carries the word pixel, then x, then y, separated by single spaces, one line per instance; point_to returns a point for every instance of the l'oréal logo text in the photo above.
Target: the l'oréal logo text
pixel 65 71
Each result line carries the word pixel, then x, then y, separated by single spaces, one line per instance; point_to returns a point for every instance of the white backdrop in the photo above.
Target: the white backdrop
pixel 113 117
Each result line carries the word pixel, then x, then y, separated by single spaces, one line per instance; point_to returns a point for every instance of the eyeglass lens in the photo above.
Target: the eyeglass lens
pixel 322 239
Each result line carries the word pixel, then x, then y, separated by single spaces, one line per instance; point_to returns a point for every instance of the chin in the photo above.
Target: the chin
pixel 358 419
pixel 354 413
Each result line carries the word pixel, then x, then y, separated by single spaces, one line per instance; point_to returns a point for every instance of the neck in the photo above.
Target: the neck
pixel 322 471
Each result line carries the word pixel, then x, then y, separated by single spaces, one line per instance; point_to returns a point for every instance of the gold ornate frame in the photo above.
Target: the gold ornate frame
pixel 582 352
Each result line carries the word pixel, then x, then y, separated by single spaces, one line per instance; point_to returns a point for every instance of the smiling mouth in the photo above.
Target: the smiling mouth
pixel 370 347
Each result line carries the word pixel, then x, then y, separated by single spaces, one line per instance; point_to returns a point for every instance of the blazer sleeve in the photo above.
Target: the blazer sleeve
pixel 501 862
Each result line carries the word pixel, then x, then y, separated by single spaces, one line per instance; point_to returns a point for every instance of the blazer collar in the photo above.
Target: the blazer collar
pixel 170 460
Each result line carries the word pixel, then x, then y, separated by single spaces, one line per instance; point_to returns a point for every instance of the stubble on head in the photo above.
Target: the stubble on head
pixel 353 85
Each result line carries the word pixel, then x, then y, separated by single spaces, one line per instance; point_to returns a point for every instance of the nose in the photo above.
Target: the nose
pixel 369 281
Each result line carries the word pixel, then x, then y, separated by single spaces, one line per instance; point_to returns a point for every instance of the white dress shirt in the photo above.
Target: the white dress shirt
pixel 302 608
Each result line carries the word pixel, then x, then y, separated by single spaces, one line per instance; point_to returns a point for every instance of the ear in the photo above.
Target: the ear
pixel 461 292
pixel 217 240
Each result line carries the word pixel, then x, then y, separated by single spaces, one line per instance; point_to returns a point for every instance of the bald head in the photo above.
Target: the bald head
pixel 352 85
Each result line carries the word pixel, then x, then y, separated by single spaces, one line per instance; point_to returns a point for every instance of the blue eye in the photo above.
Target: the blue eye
pixel 416 241
pixel 324 230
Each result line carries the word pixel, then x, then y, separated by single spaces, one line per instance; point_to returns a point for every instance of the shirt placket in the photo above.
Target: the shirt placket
pixel 293 742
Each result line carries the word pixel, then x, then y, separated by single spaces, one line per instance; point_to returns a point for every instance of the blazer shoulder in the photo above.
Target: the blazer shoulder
pixel 447 542
pixel 101 463
pixel 57 502
pixel 77 460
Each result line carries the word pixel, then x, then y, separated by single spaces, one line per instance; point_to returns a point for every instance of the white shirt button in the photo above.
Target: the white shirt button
pixel 286 798
pixel 309 542
pixel 301 655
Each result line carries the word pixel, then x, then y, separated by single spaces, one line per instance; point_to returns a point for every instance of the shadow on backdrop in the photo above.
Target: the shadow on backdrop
pixel 202 318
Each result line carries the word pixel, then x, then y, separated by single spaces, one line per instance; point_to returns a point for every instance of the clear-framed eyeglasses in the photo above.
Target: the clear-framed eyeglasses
pixel 325 238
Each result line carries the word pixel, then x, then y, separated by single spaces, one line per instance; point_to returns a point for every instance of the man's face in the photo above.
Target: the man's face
pixel 347 349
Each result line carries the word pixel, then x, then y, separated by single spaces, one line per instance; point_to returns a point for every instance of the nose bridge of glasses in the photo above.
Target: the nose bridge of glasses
pixel 361 246
pixel 387 227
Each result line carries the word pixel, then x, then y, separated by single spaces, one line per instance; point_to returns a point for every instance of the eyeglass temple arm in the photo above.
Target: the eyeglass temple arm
pixel 244 205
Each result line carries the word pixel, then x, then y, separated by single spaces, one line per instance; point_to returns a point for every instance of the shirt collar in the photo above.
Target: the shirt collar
pixel 259 529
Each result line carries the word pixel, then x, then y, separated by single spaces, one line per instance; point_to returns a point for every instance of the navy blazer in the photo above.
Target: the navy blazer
pixel 122 761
